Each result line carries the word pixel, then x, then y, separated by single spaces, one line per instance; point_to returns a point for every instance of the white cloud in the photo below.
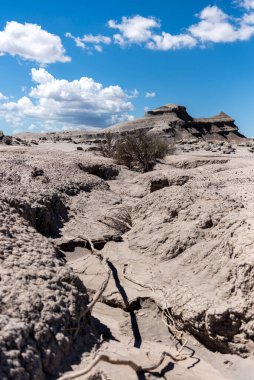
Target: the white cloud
pixel 140 30
pixel 150 94
pixel 80 103
pixel 2 96
pixel 90 41
pixel 116 119
pixel 248 19
pixel 96 39
pixel 167 41
pixel 216 26
pixel 41 76
pixel 248 4
pixel 133 94
pixel 47 126
pixel 136 29
pixel 32 127
pixel 31 42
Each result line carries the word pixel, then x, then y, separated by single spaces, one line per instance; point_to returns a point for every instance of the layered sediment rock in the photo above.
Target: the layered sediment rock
pixel 171 121
pixel 174 121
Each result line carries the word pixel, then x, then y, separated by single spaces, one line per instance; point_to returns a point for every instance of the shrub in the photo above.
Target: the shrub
pixel 140 150
pixel 107 146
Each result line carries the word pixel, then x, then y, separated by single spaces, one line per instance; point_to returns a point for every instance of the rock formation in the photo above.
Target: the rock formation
pixel 11 140
pixel 41 298
pixel 171 121
pixel 174 121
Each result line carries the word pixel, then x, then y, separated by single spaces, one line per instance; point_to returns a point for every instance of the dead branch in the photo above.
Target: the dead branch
pixel 103 286
pixel 116 220
pixel 135 281
pixel 120 221
pixel 98 294
pixel 120 216
pixel 119 361
pixel 96 297
pixel 177 334
pixel 87 239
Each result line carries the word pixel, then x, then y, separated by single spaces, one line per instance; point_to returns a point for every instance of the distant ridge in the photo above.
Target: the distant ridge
pixel 172 120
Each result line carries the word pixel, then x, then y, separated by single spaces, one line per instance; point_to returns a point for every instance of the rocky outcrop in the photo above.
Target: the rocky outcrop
pixel 171 110
pixel 102 170
pixel 11 140
pixel 203 236
pixel 39 187
pixel 41 301
pixel 173 121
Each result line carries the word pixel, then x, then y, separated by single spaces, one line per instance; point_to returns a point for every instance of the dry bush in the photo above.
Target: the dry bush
pixel 107 146
pixel 135 150
pixel 141 150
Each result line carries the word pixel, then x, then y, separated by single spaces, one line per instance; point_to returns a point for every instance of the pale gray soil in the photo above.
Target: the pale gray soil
pixel 186 240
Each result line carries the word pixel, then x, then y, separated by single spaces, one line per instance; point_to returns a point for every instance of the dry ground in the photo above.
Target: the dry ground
pixel 178 239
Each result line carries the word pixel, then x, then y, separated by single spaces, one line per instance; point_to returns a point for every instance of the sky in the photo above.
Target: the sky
pixel 91 64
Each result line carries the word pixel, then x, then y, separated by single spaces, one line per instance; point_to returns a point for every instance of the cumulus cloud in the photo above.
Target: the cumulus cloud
pixel 81 103
pixel 141 30
pixel 116 119
pixel 133 30
pixel 90 41
pixel 216 26
pixel 213 26
pixel 150 94
pixel 31 42
pixel 41 76
pixel 167 41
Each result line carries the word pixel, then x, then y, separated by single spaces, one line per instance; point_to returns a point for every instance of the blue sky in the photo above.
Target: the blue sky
pixel 86 64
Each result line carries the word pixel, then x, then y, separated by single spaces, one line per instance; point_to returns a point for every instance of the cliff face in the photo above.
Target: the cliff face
pixel 174 121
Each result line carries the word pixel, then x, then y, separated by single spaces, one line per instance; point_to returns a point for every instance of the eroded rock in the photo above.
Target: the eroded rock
pixel 41 301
